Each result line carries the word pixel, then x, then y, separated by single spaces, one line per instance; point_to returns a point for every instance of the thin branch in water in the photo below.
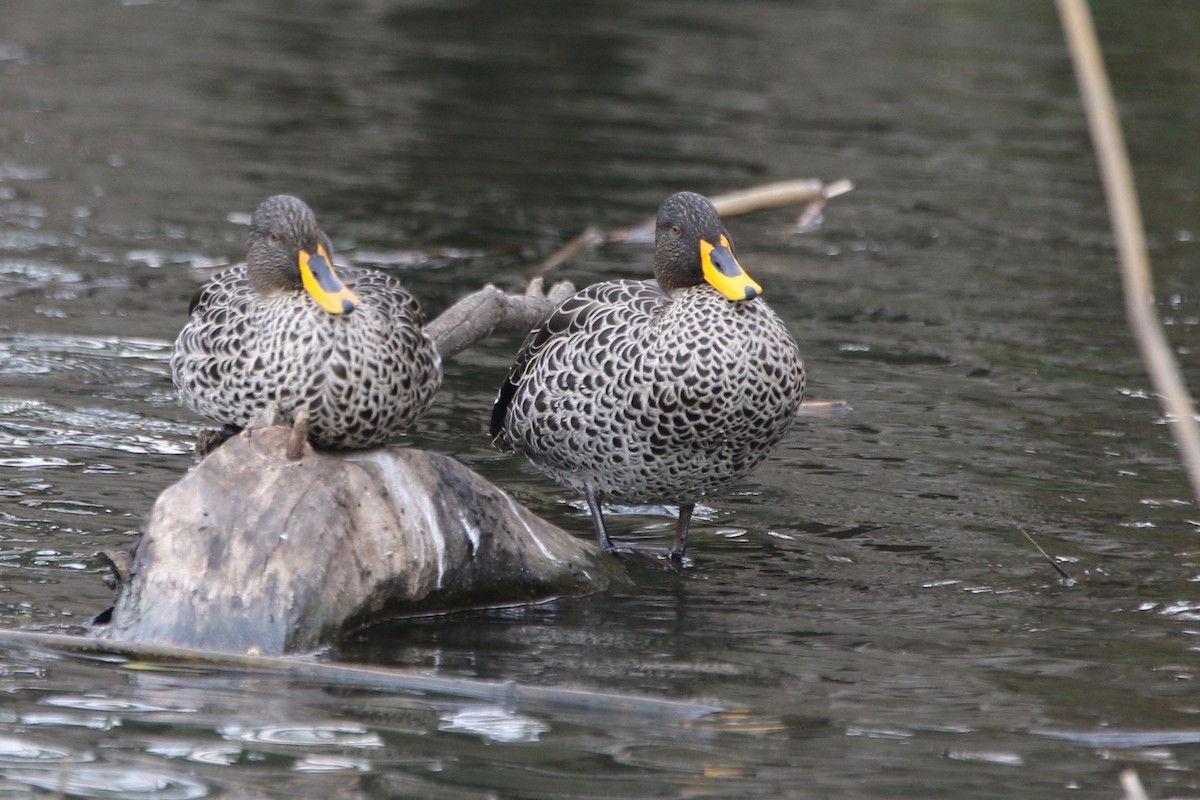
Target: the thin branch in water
pixel 806 191
pixel 826 409
pixel 146 655
pixel 1065 579
pixel 778 195
pixel 1132 785
pixel 810 218
pixel 589 238
pixel 1117 177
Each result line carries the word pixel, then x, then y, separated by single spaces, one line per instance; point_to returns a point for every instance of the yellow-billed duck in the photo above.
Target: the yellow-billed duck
pixel 347 346
pixel 661 391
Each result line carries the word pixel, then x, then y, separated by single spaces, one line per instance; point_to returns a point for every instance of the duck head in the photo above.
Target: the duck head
pixel 287 252
pixel 691 247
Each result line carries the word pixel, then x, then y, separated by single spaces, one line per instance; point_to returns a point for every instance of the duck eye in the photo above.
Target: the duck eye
pixel 676 231
pixel 273 238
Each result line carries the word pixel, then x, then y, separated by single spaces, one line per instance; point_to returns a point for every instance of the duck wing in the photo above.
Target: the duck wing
pixel 573 314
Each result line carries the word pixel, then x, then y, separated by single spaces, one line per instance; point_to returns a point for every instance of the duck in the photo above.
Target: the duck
pixel 662 391
pixel 345 347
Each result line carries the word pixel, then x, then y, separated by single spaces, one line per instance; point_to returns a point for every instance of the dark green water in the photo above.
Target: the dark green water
pixel 866 599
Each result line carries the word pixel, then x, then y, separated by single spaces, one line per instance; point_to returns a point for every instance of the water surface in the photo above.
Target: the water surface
pixel 865 606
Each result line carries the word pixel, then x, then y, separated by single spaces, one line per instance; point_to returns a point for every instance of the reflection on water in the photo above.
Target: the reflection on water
pixel 496 724
pixel 864 609
pixel 306 736
pixel 100 782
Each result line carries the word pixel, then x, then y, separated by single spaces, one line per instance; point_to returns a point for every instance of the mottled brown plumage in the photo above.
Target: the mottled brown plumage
pixel 283 328
pixel 659 391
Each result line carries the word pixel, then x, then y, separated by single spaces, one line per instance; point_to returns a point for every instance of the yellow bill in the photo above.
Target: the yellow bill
pixel 724 272
pixel 320 281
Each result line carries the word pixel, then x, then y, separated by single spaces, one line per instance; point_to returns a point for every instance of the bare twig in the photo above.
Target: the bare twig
pixel 1121 195
pixel 806 191
pixel 778 195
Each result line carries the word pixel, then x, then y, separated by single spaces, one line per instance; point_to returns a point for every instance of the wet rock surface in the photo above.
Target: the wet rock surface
pixel 253 552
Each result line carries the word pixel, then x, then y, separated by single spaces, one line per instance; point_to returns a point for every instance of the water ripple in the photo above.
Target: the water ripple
pixel 1005 759
pixel 107 704
pixel 17 750
pixel 216 755
pixel 25 274
pixel 94 722
pixel 304 736
pixel 110 781
pixel 37 462
pixel 1127 739
pixel 30 424
pixel 494 723
pixel 322 763
pixel 47 351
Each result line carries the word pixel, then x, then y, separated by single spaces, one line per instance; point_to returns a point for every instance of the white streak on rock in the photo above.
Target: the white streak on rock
pixel 412 495
pixel 516 510
pixel 473 533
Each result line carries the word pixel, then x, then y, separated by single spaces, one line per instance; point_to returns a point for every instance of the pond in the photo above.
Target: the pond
pixel 865 608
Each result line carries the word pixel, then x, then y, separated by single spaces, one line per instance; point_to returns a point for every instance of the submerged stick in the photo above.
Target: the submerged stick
pixel 1132 785
pixel 1123 209
pixel 825 409
pixel 507 692
pixel 1066 579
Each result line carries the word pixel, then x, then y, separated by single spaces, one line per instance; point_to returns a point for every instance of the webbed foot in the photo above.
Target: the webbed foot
pixel 662 561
